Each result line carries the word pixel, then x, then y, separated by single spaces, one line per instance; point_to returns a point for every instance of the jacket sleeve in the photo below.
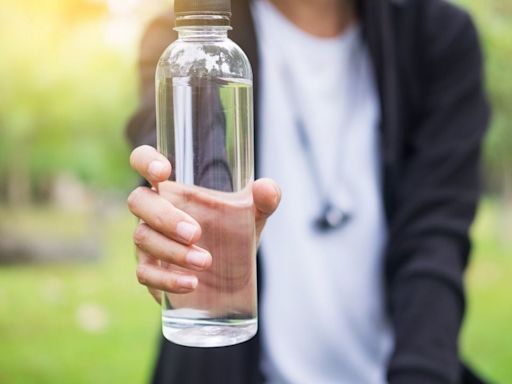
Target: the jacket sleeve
pixel 141 128
pixel 436 199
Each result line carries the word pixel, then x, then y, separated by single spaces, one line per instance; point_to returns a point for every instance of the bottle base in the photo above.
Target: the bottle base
pixel 208 333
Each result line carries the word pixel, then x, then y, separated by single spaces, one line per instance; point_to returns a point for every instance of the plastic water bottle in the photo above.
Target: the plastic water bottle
pixel 205 128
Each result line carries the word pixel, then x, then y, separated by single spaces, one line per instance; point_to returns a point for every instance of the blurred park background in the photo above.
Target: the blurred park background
pixel 70 308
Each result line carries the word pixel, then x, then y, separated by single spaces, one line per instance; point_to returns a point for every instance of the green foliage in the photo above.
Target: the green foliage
pixel 66 91
pixel 494 20
pixel 486 338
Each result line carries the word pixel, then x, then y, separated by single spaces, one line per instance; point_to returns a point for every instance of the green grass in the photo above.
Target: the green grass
pixel 92 323
pixel 85 323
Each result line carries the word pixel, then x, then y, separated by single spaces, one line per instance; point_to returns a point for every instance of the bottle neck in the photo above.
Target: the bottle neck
pixel 202 27
pixel 202 33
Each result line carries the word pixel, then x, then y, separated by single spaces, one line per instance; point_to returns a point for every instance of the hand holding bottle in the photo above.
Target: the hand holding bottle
pixel 170 236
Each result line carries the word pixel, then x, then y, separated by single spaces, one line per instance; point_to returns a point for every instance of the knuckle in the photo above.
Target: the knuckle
pixel 167 255
pixel 189 195
pixel 134 197
pixel 141 234
pixel 159 220
pixel 172 285
pixel 163 218
pixel 142 275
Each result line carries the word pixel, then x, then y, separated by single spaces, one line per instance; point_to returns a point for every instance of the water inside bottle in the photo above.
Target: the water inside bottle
pixel 206 131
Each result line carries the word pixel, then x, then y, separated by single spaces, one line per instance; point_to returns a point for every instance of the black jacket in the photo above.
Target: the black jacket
pixel 428 65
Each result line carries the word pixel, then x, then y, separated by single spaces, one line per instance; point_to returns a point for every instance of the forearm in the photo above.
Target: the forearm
pixel 426 308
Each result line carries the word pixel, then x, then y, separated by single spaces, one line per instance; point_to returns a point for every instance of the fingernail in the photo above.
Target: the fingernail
pixel 197 259
pixel 155 168
pixel 186 230
pixel 187 281
pixel 278 194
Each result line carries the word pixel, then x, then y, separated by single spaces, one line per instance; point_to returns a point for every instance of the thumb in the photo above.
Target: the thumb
pixel 266 196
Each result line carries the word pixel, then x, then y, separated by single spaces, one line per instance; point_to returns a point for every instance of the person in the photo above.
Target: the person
pixel 369 117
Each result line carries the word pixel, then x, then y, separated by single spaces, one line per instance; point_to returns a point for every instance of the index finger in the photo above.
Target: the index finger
pixel 150 164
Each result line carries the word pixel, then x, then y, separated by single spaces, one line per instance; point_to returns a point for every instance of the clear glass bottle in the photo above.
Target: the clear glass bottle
pixel 205 128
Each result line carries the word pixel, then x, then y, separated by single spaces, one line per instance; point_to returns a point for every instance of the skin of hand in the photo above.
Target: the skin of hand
pixel 168 239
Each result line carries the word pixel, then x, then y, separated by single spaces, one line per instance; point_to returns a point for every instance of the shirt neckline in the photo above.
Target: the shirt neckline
pixel 291 33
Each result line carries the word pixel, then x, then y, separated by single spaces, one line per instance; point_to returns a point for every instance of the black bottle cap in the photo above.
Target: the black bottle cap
pixel 194 7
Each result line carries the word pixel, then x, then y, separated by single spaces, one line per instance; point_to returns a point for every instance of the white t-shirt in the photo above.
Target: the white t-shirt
pixel 322 317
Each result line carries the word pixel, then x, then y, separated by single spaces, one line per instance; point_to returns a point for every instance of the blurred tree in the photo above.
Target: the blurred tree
pixel 68 84
pixel 494 19
pixel 67 90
